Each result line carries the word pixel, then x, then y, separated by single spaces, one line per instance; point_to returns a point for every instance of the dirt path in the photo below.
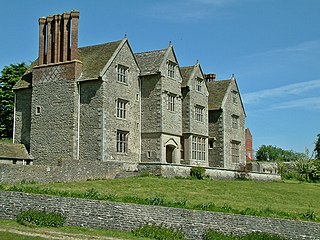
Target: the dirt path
pixel 55 235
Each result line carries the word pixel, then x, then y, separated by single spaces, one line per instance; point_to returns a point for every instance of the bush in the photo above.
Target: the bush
pixel 158 232
pixel 198 172
pixel 40 218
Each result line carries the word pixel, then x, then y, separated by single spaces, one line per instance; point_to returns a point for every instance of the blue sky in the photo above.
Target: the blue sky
pixel 272 47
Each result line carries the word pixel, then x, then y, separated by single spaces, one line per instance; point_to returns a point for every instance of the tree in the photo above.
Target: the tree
pixel 9 76
pixel 273 153
pixel 317 147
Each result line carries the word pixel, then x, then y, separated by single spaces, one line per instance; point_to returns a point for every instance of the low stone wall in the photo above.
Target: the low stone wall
pixel 102 214
pixel 68 171
pixel 173 170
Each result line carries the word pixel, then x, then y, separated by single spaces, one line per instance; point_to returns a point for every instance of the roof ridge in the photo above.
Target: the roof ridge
pixel 100 44
pixel 158 50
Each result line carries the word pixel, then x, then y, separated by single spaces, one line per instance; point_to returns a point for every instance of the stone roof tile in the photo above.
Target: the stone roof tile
pixel 186 74
pixel 150 62
pixel 94 58
pixel 217 91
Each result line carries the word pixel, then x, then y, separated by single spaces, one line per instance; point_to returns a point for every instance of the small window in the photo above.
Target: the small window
pixel 170 100
pixel 122 74
pixel 171 67
pixel 122 141
pixel 235 121
pixel 122 108
pixel 234 97
pixel 149 154
pixel 198 113
pixel 235 153
pixel 212 143
pixel 199 84
pixel 38 110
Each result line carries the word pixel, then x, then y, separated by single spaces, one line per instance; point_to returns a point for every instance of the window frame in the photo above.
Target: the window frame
pixel 198 113
pixel 122 142
pixel 198 150
pixel 235 121
pixel 235 151
pixel 122 74
pixel 234 95
pixel 171 102
pixel 171 69
pixel 198 84
pixel 121 108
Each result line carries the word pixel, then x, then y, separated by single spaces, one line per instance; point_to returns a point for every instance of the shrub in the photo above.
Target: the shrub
pixel 198 172
pixel 158 232
pixel 40 218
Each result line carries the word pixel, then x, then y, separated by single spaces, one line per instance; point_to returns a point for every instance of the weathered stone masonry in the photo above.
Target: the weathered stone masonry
pixel 102 214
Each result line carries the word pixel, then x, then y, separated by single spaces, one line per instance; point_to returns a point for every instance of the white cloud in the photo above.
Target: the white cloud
pixel 301 48
pixel 284 91
pixel 306 103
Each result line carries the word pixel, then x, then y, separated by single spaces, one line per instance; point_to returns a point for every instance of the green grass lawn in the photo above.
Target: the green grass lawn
pixel 9 229
pixel 276 199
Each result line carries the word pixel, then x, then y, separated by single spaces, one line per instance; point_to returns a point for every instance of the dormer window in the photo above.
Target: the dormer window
pixel 122 72
pixel 199 84
pixel 171 66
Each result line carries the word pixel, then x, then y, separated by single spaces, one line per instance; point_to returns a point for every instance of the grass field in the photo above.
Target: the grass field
pixel 11 230
pixel 291 200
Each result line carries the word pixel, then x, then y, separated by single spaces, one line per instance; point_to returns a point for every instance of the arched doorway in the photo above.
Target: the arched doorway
pixel 169 153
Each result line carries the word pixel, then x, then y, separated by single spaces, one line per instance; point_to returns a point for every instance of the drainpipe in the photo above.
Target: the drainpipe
pixel 14 118
pixel 78 130
pixel 140 99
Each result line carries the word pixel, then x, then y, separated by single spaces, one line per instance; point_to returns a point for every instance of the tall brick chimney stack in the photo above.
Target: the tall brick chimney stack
pixel 211 77
pixel 58 38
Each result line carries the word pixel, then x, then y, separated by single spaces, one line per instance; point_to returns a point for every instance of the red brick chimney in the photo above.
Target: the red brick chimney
pixel 211 77
pixel 58 38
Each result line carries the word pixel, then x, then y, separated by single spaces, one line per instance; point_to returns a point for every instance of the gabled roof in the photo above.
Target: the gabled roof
pixel 150 62
pixel 217 92
pixel 24 82
pixel 13 151
pixel 94 58
pixel 186 74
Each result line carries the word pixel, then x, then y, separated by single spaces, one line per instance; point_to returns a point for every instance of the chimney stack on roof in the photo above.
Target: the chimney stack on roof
pixel 211 77
pixel 58 38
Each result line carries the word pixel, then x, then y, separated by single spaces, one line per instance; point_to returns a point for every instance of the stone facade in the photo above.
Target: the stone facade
pixel 226 125
pixel 102 214
pixel 105 103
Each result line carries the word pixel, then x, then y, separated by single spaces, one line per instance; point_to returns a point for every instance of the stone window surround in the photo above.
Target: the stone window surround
pixel 235 121
pixel 235 151
pixel 171 101
pixel 198 84
pixel 38 110
pixel 234 94
pixel 198 148
pixel 122 141
pixel 122 108
pixel 198 113
pixel 171 69
pixel 122 74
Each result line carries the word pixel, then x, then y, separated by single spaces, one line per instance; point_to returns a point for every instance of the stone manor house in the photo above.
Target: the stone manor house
pixel 106 103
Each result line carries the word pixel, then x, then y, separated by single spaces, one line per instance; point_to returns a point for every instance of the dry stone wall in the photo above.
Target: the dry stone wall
pixel 102 214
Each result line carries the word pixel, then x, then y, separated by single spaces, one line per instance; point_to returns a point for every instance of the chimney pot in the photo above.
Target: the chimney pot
pixel 211 77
